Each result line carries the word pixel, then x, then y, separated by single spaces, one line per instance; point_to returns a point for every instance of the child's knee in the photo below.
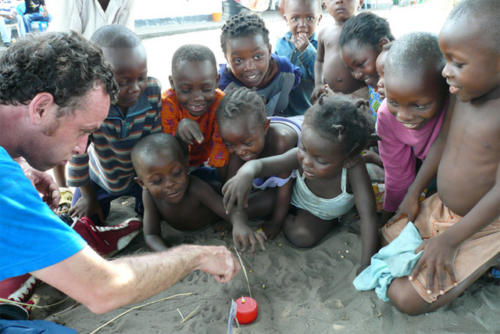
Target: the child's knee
pixel 299 236
pixel 405 298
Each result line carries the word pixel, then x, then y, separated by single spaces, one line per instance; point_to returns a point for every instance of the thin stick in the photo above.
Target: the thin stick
pixel 182 317
pixel 138 307
pixel 190 315
pixel 33 305
pixel 244 271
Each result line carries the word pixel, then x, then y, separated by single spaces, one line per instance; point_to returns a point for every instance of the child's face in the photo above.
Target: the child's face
pixel 165 176
pixel 249 59
pixel 360 59
pixel 131 73
pixel 415 97
pixel 302 17
pixel 472 64
pixel 318 156
pixel 379 65
pixel 341 10
pixel 195 83
pixel 244 137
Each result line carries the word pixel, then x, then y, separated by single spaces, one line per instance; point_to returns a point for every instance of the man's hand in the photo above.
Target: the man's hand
pixel 438 258
pixel 44 184
pixel 219 262
pixel 189 131
pixel 300 41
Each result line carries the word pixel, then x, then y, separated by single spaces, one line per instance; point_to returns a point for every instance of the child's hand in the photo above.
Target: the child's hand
pixel 320 90
pixel 86 207
pixel 189 131
pixel 409 207
pixel 439 255
pixel 243 235
pixel 271 229
pixel 300 41
pixel 236 190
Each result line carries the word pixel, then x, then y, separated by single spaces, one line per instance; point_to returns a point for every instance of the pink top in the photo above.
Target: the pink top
pixel 399 150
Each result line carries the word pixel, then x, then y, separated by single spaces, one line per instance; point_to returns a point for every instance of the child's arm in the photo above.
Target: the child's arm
pixel 410 206
pixel 87 205
pixel 151 224
pixel 318 70
pixel 439 252
pixel 273 227
pixel 365 203
pixel 237 188
pixel 242 234
pixel 189 131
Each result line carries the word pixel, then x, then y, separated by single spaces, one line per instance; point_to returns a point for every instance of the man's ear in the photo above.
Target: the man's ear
pixel 171 80
pixel 39 106
pixel 139 181
pixel 383 41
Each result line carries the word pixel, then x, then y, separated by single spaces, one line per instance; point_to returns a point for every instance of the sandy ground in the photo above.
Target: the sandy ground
pixel 298 290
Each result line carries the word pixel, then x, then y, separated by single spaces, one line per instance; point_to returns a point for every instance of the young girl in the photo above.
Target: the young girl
pixel 249 135
pixel 361 41
pixel 250 63
pixel 411 117
pixel 332 176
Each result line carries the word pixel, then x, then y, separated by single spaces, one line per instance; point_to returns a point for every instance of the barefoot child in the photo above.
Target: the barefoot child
pixel 332 177
pixel 361 41
pixel 250 63
pixel 249 135
pixel 105 171
pixel 410 119
pixel 188 108
pixel 169 193
pixel 329 68
pixel 299 45
pixel 460 224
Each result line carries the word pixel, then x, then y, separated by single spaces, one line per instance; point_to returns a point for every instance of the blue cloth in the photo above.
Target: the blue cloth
pixel 276 92
pixel 33 327
pixel 300 97
pixel 397 259
pixel 32 237
pixel 374 101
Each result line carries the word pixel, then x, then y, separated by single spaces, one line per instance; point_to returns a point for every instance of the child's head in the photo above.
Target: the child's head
pixel 470 42
pixel 342 10
pixel 361 41
pixel 334 131
pixel 123 49
pixel 243 124
pixel 245 43
pixel 380 65
pixel 161 163
pixel 414 87
pixel 194 78
pixel 302 16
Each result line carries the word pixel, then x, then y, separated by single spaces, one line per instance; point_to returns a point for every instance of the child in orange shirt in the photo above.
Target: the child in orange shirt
pixel 188 108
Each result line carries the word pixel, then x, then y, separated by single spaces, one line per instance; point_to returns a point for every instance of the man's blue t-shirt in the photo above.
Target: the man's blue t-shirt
pixel 32 237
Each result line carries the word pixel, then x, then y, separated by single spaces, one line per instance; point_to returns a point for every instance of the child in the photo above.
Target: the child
pixel 105 172
pixel 188 108
pixel 169 192
pixel 299 45
pixel 460 224
pixel 249 135
pixel 329 68
pixel 333 134
pixel 250 63
pixel 411 117
pixel 361 41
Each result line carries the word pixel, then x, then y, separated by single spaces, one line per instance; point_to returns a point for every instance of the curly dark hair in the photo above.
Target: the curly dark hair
pixel 65 65
pixel 150 146
pixel 338 118
pixel 241 102
pixel 192 53
pixel 365 28
pixel 243 25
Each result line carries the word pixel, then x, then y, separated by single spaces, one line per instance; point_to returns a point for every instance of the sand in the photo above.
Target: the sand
pixel 297 290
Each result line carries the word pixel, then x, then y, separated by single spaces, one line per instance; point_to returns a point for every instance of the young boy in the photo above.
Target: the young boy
pixel 105 172
pixel 188 107
pixel 169 192
pixel 460 224
pixel 329 68
pixel 299 45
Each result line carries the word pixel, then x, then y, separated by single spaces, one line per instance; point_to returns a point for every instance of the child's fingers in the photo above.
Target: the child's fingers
pixel 228 201
pixel 418 268
pixel 431 274
pixel 261 237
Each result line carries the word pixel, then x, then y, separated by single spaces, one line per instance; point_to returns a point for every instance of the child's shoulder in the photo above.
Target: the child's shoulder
pixel 153 85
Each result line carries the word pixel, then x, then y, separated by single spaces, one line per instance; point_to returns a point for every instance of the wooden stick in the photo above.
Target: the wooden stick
pixel 244 271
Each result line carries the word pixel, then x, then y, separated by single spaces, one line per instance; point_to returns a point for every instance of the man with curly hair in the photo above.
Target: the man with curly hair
pixel 55 89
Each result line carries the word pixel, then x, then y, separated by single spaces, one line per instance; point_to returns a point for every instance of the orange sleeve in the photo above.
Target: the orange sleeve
pixel 219 155
pixel 170 112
